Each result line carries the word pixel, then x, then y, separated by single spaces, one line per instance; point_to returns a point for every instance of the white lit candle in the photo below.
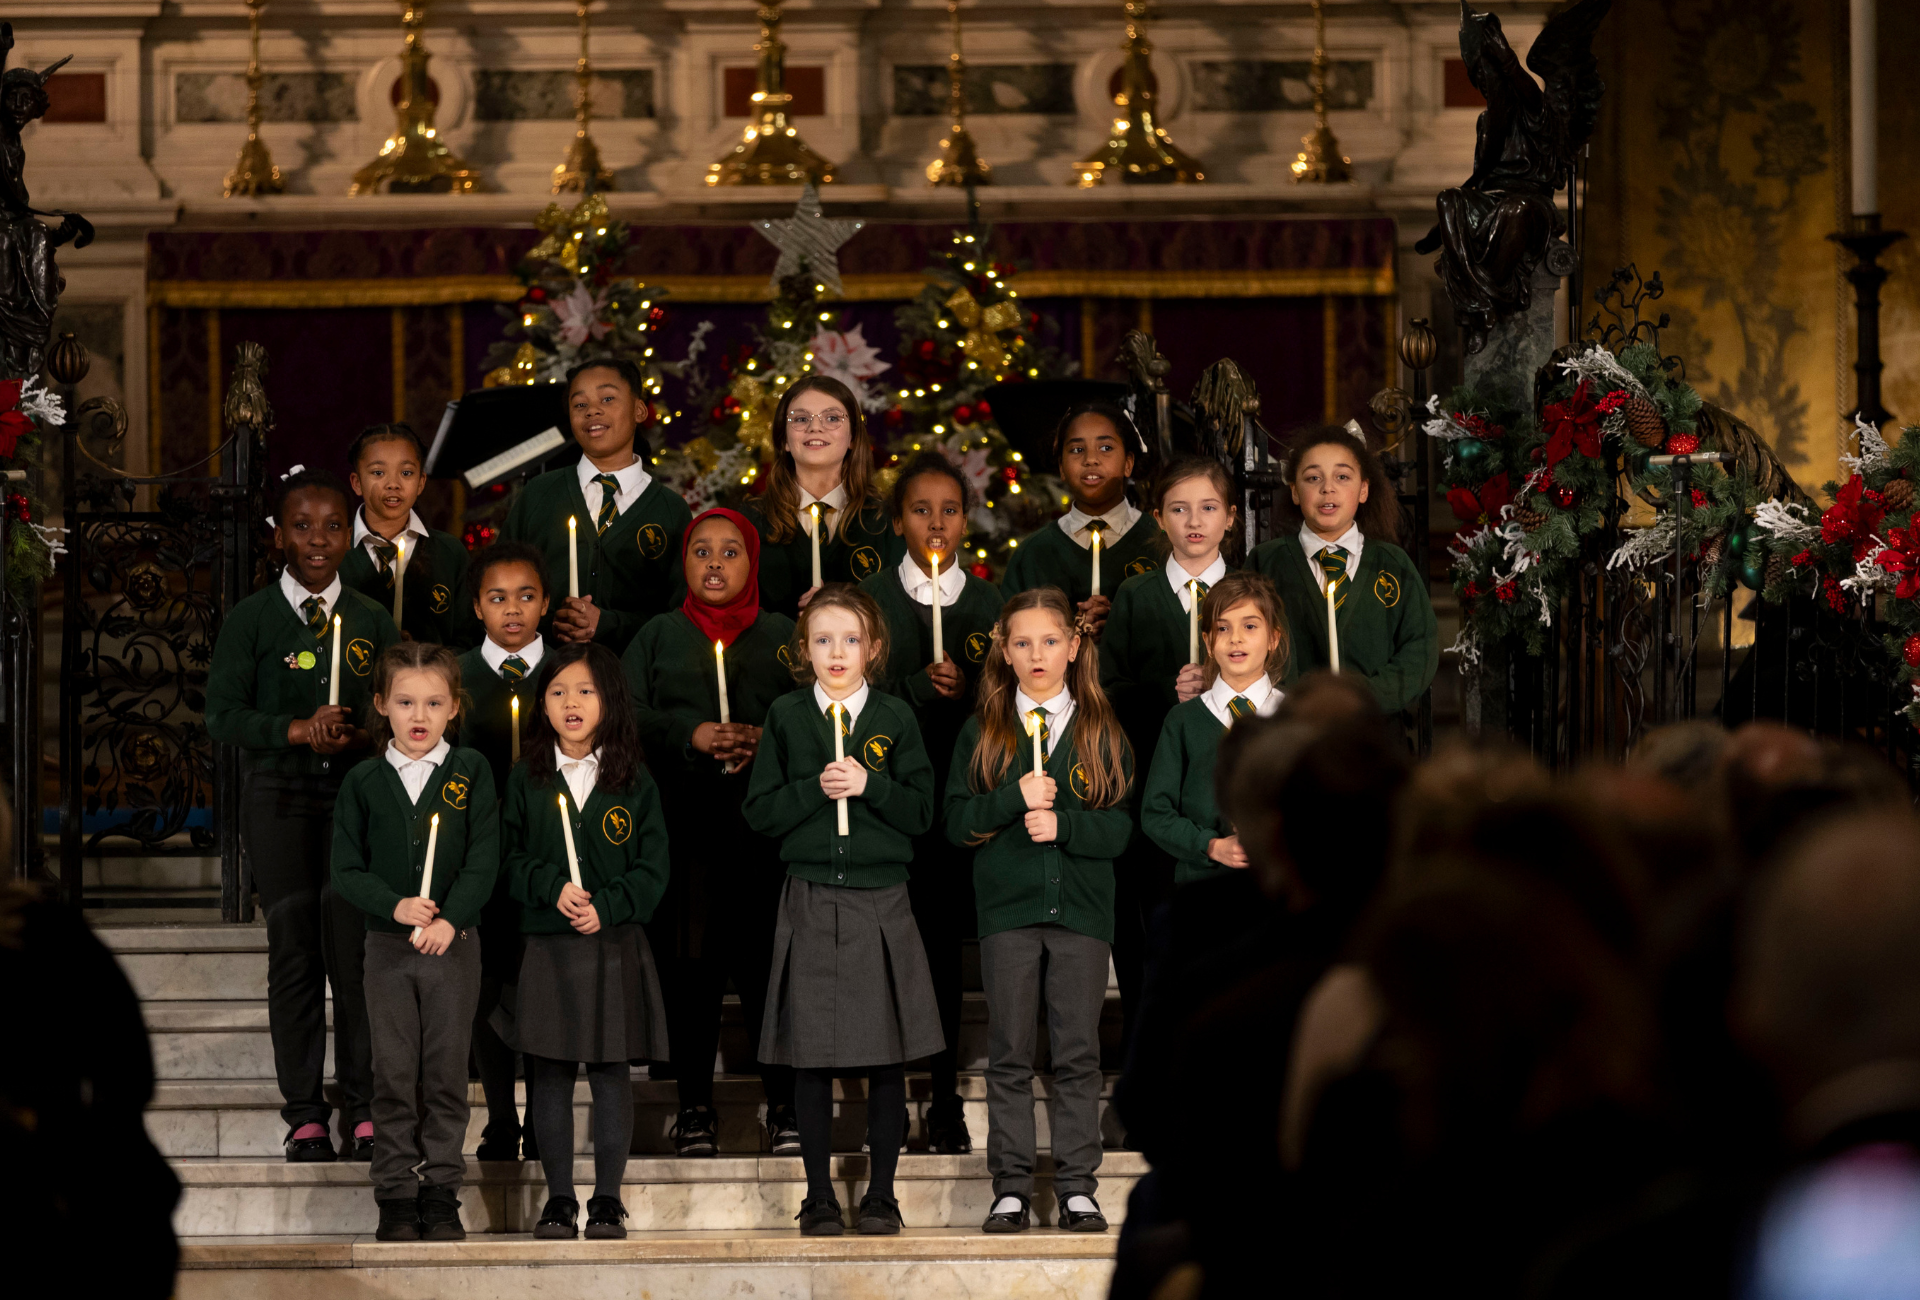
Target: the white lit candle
pixel 839 752
pixel 1864 85
pixel 939 654
pixel 720 670
pixel 516 728
pixel 813 531
pixel 1193 620
pixel 1333 630
pixel 426 876
pixel 333 673
pixel 573 859
pixel 573 556
pixel 1094 547
pixel 1039 758
pixel 399 576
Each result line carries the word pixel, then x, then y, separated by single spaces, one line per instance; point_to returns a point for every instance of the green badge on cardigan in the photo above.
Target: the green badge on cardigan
pixel 865 562
pixel 876 751
pixel 653 542
pixel 305 659
pixel 1386 590
pixel 360 656
pixel 978 643
pixel 442 598
pixel 617 825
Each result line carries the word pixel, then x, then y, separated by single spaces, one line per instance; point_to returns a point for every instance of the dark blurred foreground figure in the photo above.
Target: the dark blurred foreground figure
pixel 84 1189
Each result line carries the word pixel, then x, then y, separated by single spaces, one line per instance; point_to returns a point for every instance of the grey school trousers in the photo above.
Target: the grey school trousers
pixel 420 1010
pixel 1017 969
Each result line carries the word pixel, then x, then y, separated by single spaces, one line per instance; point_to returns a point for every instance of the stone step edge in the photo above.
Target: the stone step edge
pixel 914 1166
pixel 641 1248
pixel 251 937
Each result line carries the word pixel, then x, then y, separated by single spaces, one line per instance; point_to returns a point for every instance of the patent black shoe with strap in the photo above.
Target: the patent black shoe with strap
pixel 310 1150
pixel 558 1219
pixel 694 1134
pixel 879 1216
pixel 604 1215
pixel 1010 1213
pixel 820 1217
pixel 1082 1214
pixel 440 1215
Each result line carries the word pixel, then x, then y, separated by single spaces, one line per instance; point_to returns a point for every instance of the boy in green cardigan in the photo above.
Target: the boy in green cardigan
pixel 416 847
pixel 391 544
pixel 1383 629
pixel 272 690
pixel 625 538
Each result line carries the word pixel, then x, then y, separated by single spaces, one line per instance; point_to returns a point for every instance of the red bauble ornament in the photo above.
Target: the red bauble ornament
pixel 895 417
pixel 963 415
pixel 981 571
pixel 926 349
pixel 1010 473
pixel 1564 497
pixel 1537 454
pixel 982 411
pixel 536 294
pixel 1683 444
pixel 1911 652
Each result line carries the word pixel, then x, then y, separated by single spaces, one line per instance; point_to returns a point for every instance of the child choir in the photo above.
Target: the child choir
pixel 798 748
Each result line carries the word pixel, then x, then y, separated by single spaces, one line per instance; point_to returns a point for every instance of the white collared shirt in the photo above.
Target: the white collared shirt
pixel 414 532
pixel 495 655
pixel 1119 522
pixel 633 481
pixel 295 593
pixel 1350 541
pixel 834 500
pixel 1178 578
pixel 852 704
pixel 919 585
pixel 415 771
pixel 578 773
pixel 1059 714
pixel 1264 695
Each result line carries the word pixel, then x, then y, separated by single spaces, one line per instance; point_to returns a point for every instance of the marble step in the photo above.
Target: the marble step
pixel 241 1120
pixel 227 1198
pixel 927 1263
pixel 150 872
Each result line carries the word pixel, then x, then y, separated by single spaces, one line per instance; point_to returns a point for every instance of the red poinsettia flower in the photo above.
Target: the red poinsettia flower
pixel 1853 517
pixel 1572 425
pixel 1482 507
pixel 1902 556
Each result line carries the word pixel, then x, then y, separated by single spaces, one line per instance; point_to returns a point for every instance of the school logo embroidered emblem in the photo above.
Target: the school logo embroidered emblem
pixel 455 791
pixel 442 598
pixel 653 541
pixel 1137 567
pixel 977 645
pixel 875 751
pixel 1386 590
pixel 785 655
pixel 360 656
pixel 865 562
pixel 1077 782
pixel 617 825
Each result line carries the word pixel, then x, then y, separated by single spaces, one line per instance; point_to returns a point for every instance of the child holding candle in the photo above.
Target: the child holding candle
pixel 717 918
pixel 268 692
pixel 1246 650
pixel 416 844
pixel 1044 834
pixel 1093 447
pixel 849 991
pixel 418 573
pixel 624 542
pixel 508 600
pixel 586 847
pixel 934 657
pixel 1345 547
pixel 822 458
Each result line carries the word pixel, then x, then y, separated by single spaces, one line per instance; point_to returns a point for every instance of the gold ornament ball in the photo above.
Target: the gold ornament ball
pixel 1419 346
pixel 67 361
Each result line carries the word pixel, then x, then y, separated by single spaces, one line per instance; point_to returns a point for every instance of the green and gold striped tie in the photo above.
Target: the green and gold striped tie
pixel 1333 567
pixel 513 668
pixel 316 611
pixel 1240 707
pixel 609 489
pixel 386 553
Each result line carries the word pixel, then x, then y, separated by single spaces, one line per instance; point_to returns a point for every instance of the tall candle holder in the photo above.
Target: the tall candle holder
pixel 771 151
pixel 959 162
pixel 1320 161
pixel 582 169
pixel 253 171
pixel 1137 151
pixel 414 160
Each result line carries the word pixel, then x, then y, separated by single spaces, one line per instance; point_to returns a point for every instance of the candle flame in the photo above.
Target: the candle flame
pixel 336 622
pixel 572 522
pixel 436 821
pixel 563 805
pixel 1031 723
pixel 719 649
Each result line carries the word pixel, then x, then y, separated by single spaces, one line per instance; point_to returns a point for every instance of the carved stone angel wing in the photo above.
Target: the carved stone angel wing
pixel 1562 57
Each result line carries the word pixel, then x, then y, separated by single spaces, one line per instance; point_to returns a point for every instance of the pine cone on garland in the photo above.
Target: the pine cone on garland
pixel 1898 494
pixel 1710 553
pixel 1644 421
pixel 1529 518
pixel 1778 570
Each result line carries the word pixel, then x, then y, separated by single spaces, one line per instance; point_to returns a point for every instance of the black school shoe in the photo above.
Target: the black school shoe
pixel 306 1151
pixel 783 1131
pixel 440 1215
pixel 360 1149
pixel 947 1128
pixel 879 1216
pixel 498 1143
pixel 1017 1220
pixel 399 1221
pixel 820 1217
pixel 603 1218
pixel 694 1135
pixel 1082 1220
pixel 557 1220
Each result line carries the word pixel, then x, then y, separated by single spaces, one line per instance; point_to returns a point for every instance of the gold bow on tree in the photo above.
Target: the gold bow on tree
pixel 524 369
pixel 566 231
pixel 756 412
pixel 983 327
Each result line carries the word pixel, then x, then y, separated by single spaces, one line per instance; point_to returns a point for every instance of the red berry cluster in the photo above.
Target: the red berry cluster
pixel 477 536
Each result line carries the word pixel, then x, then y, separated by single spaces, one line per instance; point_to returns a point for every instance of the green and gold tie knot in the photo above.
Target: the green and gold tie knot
pixel 316 611
pixel 846 719
pixel 386 553
pixel 1240 707
pixel 1199 589
pixel 1039 717
pixel 1333 567
pixel 609 489
pixel 513 668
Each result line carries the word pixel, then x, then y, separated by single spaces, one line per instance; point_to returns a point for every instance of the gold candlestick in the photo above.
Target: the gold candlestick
pixel 959 163
pixel 582 169
pixel 414 160
pixel 253 171
pixel 1138 151
pixel 1320 161
pixel 770 152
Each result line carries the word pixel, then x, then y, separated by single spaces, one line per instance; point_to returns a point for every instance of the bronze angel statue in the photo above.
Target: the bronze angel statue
pixel 30 283
pixel 1496 228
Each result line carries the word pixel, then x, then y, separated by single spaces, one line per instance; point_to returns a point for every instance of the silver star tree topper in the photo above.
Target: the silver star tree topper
pixel 811 235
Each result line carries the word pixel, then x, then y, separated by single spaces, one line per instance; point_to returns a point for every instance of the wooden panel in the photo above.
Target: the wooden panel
pixel 77 97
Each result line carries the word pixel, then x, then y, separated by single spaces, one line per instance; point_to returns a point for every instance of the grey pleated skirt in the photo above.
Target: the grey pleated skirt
pixel 850 985
pixel 586 997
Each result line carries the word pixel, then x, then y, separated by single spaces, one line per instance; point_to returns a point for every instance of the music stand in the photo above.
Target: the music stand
pixel 498 432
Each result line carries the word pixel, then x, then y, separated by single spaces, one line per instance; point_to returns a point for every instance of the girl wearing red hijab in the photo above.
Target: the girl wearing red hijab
pixel 717 919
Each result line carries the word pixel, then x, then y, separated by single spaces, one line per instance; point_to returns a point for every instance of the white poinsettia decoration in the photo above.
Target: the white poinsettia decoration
pixel 579 316
pixel 849 358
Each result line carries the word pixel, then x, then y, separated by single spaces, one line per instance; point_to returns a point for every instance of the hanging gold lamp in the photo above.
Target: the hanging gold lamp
pixel 959 162
pixel 1320 161
pixel 1138 151
pixel 582 169
pixel 771 151
pixel 414 160
pixel 253 172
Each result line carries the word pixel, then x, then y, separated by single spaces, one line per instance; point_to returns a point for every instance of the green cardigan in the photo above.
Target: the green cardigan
pixel 671 671
pixel 785 802
pixel 486 724
pixel 1050 558
pixel 632 571
pixel 1177 810
pixel 1142 651
pixel 1016 882
pixel 380 840
pixel 619 836
pixel 437 607
pixel 1387 630
pixel 786 568
pixel 966 626
pixel 256 685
